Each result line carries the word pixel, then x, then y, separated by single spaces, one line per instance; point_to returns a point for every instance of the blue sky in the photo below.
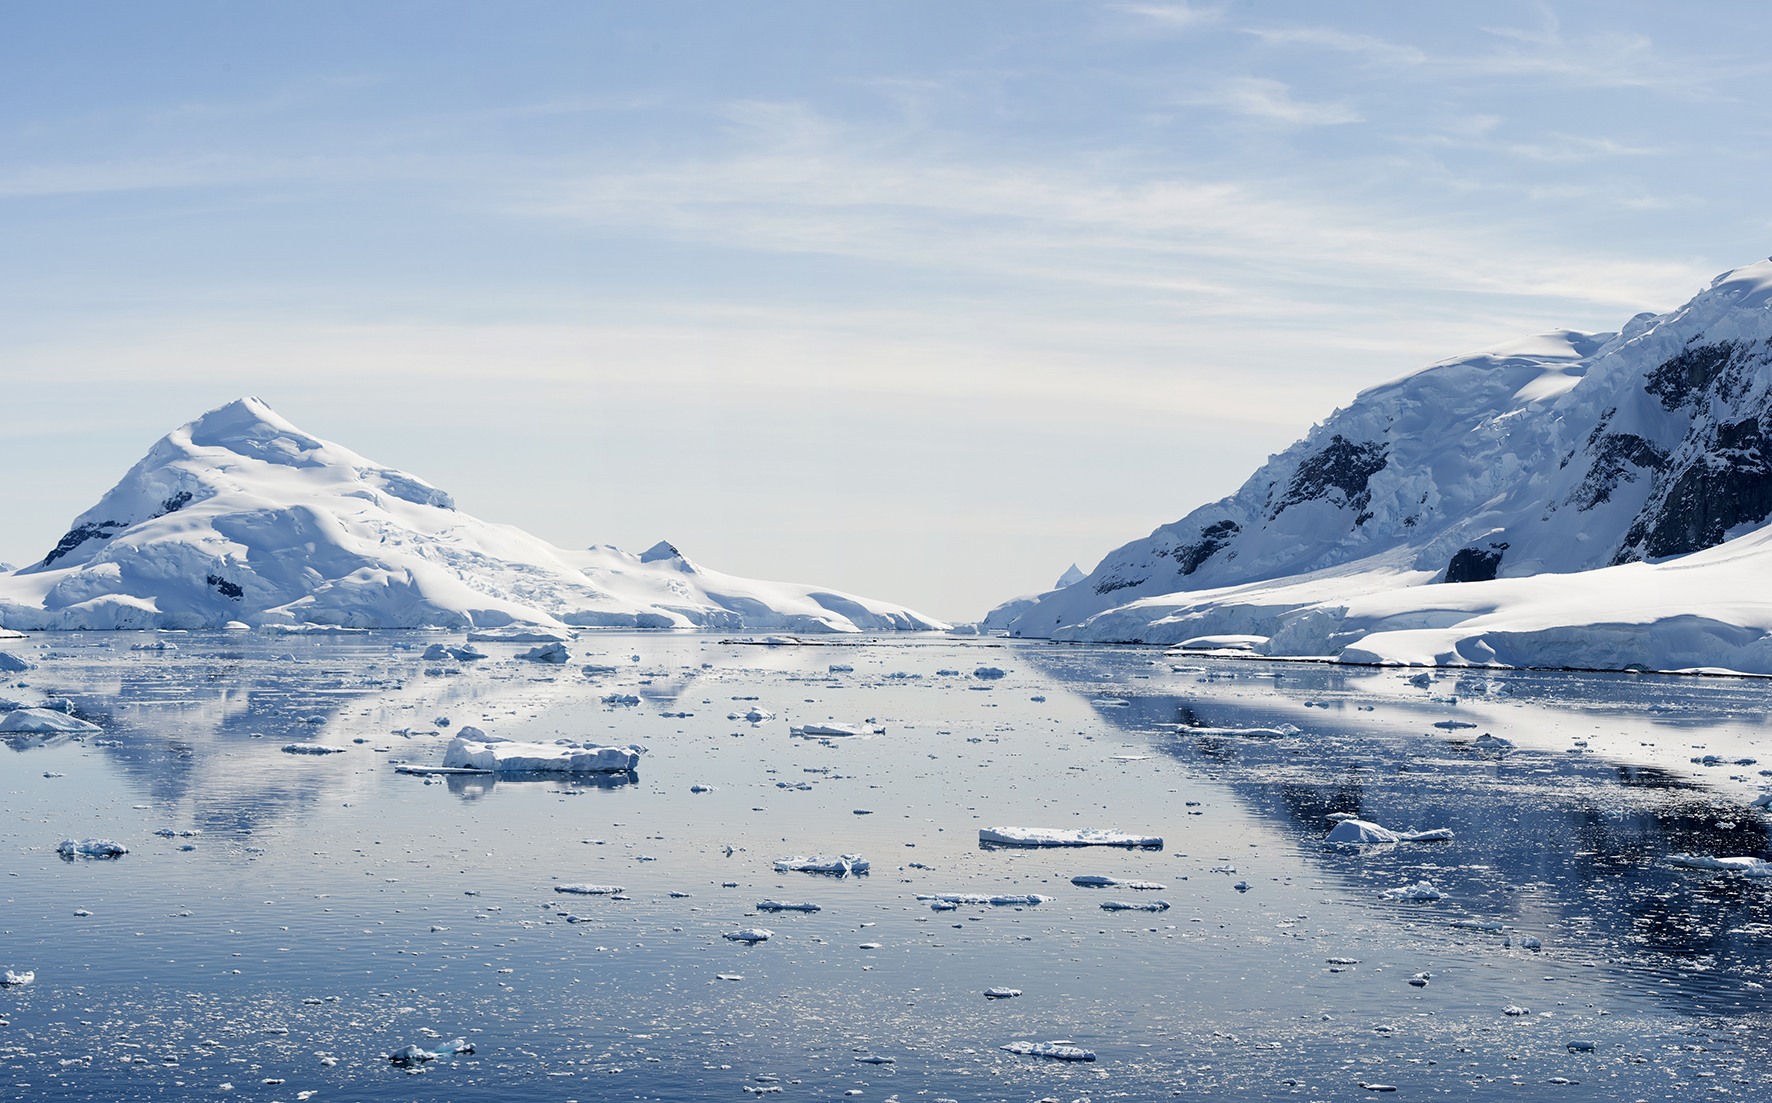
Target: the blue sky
pixel 920 300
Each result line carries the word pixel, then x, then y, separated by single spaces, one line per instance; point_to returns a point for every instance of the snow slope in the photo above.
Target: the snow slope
pixel 241 516
pixel 1569 499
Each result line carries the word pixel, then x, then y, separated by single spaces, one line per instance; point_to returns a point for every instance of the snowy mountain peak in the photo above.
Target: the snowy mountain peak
pixel 1070 577
pixel 240 515
pixel 1559 453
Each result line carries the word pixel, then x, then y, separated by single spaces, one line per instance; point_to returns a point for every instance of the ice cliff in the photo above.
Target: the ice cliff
pixel 1582 499
pixel 241 516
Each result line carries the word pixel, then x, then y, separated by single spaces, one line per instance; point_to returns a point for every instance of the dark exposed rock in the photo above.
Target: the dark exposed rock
pixel 1615 454
pixel 1109 585
pixel 225 588
pixel 174 504
pixel 1212 538
pixel 1729 483
pixel 1475 564
pixel 1696 370
pixel 1343 466
pixel 96 530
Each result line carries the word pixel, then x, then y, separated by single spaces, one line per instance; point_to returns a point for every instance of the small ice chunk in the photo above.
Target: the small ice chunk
pixel 435 653
pixel 1745 865
pixel 1514 1011
pixel 1420 890
pixel 841 865
pixel 1352 832
pixel 828 730
pixel 12 664
pixel 91 848
pixel 1530 943
pixel 10 979
pixel 547 653
pixel 473 750
pixel 1053 836
pixel 873 1060
pixel 1058 1051
pixel 701 788
pixel 1032 899
pixel 582 889
pixel 1492 742
pixel 1091 881
pixel 786 906
pixel 1123 906
pixel 310 748
pixel 989 673
pixel 751 934
pixel 1001 993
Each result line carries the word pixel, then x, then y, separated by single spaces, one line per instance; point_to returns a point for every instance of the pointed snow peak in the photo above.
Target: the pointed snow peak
pixel 251 428
pixel 1750 285
pixel 660 551
pixel 1069 578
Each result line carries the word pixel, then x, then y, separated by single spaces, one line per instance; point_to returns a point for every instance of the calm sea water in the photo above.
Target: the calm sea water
pixel 326 912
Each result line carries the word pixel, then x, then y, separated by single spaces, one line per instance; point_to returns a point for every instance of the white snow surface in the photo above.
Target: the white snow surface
pixel 566 756
pixel 241 516
pixel 1615 485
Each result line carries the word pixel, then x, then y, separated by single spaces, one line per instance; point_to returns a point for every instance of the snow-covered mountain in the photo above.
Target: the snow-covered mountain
pixel 1622 479
pixel 241 516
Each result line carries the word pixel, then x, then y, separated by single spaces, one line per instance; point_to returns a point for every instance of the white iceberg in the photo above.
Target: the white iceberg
pixel 1001 993
pixel 12 664
pixel 10 979
pixel 1351 832
pixel 1055 836
pixel 1746 866
pixel 1060 1051
pixel 786 906
pixel 1420 890
pixel 44 722
pixel 508 756
pixel 91 848
pixel 751 934
pixel 583 889
pixel 547 653
pixel 843 864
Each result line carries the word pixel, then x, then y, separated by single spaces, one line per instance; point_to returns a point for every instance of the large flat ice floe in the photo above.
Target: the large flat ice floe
pixel 475 750
pixel 1057 836
pixel 240 517
pixel 841 865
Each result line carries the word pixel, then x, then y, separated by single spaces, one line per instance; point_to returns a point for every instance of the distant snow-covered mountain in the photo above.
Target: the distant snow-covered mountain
pixel 241 516
pixel 1581 499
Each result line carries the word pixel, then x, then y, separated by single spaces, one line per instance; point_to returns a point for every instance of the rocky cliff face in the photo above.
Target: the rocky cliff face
pixel 1562 452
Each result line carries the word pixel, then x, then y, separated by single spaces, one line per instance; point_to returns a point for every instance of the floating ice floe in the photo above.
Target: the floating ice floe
pixel 475 749
pixel 1059 1051
pixel 582 889
pixel 751 934
pixel 1514 1011
pixel 1492 743
pixel 547 653
pixel 10 979
pixel 44 722
pixel 701 788
pixel 1091 881
pixel 413 1055
pixel 1001 993
pixel 12 664
pixel 786 906
pixel 1420 890
pixel 157 645
pixel 620 699
pixel 753 714
pixel 310 748
pixel 826 729
pixel 1054 836
pixel 1357 832
pixel 953 899
pixel 842 865
pixel 1746 866
pixel 1284 731
pixel 91 848
pixel 1123 906
pixel 841 668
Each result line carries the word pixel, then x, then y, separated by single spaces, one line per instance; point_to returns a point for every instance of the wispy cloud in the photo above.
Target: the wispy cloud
pixel 1262 98
pixel 1173 17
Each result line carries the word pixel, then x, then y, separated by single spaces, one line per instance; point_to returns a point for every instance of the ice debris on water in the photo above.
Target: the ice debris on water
pixel 1354 832
pixel 1123 906
pixel 1059 1051
pixel 1000 993
pixel 310 748
pixel 474 749
pixel 91 848
pixel 414 1054
pixel 1514 1011
pixel 1090 881
pixel 786 906
pixel 547 653
pixel 826 730
pixel 582 889
pixel 10 979
pixel 1056 836
pixel 751 934
pixel 1744 865
pixel 1420 890
pixel 953 899
pixel 1492 743
pixel 841 865
pixel 871 1059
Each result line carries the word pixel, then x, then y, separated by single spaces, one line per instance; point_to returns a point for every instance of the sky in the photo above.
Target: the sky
pixel 921 301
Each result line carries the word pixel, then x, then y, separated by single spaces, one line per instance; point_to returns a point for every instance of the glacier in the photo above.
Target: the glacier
pixel 240 517
pixel 1590 500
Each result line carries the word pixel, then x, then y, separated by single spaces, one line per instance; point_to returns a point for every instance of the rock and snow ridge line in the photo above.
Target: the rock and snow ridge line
pixel 1595 501
pixel 240 516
